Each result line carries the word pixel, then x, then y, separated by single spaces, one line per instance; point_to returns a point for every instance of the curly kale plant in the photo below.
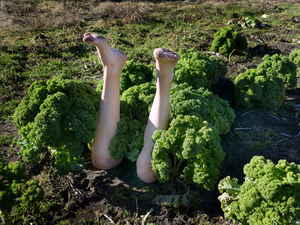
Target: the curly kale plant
pixel 226 40
pixel 259 88
pixel 194 147
pixel 135 106
pixel 192 140
pixel 197 70
pixel 295 57
pixel 59 114
pixel 133 73
pixel 16 186
pixel 282 67
pixel 269 195
pixel 203 104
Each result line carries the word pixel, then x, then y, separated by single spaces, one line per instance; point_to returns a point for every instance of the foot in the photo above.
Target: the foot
pixel 166 62
pixel 110 57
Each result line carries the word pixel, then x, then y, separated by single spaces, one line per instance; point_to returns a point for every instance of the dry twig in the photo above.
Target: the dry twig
pixel 145 217
pixel 246 113
pixel 109 219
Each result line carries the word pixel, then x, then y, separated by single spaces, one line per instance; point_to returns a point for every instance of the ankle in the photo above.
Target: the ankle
pixel 164 83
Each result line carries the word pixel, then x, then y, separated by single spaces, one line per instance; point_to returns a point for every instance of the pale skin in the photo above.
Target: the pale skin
pixel 113 61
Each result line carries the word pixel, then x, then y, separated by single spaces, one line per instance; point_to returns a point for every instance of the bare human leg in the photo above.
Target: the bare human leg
pixel 113 61
pixel 160 111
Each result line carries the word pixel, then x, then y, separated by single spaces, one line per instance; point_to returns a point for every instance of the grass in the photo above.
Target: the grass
pixel 6 139
pixel 192 27
pixel 35 214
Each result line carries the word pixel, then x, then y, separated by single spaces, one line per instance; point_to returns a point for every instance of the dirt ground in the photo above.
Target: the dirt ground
pixel 100 197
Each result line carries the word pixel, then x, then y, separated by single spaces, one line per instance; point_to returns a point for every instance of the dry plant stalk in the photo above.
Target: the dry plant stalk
pixel 133 13
pixel 53 14
pixel 129 12
pixel 50 14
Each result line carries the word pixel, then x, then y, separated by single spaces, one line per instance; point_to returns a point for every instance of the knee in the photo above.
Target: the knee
pixel 144 171
pixel 105 163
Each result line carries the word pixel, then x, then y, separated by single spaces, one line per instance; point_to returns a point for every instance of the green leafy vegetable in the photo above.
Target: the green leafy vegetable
pixel 135 106
pixel 196 70
pixel 245 22
pixel 194 146
pixel 226 40
pixel 15 185
pixel 269 194
pixel 295 57
pixel 282 67
pixel 133 73
pixel 203 104
pixel 59 114
pixel 259 88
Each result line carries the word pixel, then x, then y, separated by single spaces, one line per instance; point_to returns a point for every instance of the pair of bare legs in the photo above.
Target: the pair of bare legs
pixel 113 61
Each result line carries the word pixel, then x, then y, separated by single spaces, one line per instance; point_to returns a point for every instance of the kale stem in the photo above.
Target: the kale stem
pixel 176 167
